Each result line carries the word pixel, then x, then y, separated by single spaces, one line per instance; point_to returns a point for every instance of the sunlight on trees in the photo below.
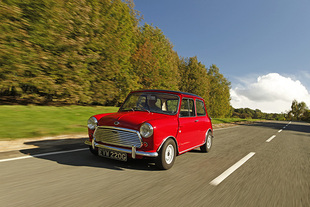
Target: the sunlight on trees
pixel 94 52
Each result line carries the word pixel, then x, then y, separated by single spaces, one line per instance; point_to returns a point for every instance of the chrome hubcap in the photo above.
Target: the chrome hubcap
pixel 169 154
pixel 209 142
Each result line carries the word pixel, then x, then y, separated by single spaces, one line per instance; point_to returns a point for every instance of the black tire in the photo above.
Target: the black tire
pixel 209 142
pixel 93 151
pixel 167 154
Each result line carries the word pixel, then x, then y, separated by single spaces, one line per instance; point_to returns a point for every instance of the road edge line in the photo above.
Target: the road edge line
pixel 42 155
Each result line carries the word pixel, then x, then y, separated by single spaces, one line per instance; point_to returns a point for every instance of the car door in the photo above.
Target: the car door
pixel 188 133
pixel 202 121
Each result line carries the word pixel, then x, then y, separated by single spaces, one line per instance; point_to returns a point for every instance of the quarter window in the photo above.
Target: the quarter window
pixel 200 107
pixel 172 105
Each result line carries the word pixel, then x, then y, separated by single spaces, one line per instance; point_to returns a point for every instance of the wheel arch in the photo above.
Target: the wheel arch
pixel 175 141
pixel 211 131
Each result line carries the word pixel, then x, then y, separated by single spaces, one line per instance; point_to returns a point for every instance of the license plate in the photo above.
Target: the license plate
pixel 112 154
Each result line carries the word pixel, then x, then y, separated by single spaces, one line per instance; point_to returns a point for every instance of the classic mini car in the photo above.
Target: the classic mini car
pixel 156 124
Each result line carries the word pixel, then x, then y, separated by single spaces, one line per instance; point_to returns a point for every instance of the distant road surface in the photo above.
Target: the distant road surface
pixel 264 164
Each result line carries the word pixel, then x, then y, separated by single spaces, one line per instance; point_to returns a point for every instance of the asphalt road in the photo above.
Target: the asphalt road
pixel 243 169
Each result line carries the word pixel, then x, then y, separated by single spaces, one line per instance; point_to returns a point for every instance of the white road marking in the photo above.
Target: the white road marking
pixel 285 126
pixel 280 130
pixel 271 138
pixel 42 155
pixel 230 170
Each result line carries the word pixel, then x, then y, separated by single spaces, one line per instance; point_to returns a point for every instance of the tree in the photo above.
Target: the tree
pixel 112 40
pixel 94 52
pixel 298 110
pixel 60 51
pixel 306 116
pixel 194 77
pixel 258 114
pixel 219 96
pixel 20 58
pixel 154 61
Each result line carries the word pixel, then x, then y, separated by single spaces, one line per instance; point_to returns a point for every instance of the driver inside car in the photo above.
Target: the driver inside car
pixel 152 104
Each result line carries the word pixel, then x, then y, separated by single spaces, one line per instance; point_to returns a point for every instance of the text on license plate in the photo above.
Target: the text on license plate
pixel 112 154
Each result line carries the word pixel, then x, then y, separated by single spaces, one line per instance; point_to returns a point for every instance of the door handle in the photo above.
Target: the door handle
pixel 196 120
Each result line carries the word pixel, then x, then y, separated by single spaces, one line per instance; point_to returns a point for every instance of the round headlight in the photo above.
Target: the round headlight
pixel 92 123
pixel 146 130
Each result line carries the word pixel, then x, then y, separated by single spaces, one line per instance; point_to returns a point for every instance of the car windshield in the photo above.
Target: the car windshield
pixel 164 103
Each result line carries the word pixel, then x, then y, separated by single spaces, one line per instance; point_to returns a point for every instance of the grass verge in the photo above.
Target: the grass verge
pixel 39 121
pixel 231 120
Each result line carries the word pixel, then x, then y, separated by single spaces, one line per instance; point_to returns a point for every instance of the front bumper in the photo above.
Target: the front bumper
pixel 133 150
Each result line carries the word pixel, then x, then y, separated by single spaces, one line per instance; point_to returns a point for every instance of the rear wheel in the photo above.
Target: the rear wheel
pixel 167 154
pixel 207 146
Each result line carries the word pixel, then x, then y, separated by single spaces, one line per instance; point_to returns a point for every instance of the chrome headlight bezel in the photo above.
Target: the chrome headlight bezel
pixel 146 130
pixel 92 123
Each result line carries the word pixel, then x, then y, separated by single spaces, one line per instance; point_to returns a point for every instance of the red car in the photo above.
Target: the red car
pixel 155 124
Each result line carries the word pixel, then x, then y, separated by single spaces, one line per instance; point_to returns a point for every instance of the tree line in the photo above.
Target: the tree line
pixel 247 113
pixel 299 112
pixel 94 52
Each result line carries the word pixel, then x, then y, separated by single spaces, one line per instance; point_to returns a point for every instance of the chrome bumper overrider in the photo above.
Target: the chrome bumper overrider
pixel 131 151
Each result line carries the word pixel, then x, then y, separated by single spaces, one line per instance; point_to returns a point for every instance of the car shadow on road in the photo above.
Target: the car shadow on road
pixel 74 152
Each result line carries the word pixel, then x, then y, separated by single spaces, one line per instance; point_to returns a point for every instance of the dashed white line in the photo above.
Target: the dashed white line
pixel 230 170
pixel 42 155
pixel 271 138
pixel 280 130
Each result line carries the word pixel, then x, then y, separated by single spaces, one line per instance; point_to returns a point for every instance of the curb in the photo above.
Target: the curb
pixel 31 143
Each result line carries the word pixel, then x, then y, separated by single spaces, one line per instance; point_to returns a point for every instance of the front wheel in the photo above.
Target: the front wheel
pixel 207 146
pixel 93 151
pixel 167 155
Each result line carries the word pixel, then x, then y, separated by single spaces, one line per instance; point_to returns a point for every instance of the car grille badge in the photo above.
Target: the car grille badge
pixel 116 123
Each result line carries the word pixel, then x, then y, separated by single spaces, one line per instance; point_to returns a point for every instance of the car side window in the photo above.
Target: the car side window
pixel 187 108
pixel 172 105
pixel 200 107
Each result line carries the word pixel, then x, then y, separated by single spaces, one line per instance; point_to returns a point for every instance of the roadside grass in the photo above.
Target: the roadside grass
pixel 231 120
pixel 31 121
pixel 40 121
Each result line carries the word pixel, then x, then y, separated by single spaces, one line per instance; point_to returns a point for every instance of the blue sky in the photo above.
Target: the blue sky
pixel 254 43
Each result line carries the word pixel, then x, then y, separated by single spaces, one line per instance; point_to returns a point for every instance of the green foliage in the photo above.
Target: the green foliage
pixel 62 47
pixel 299 111
pixel 246 113
pixel 154 61
pixel 93 52
pixel 209 84
pixel 194 77
pixel 306 116
pixel 219 96
pixel 231 120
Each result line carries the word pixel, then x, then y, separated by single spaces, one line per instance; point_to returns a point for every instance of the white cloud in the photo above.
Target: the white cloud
pixel 271 93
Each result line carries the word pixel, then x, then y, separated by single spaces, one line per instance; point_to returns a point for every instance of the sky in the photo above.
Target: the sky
pixel 261 46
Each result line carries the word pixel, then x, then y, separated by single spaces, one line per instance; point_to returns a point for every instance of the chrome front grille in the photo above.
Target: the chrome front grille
pixel 118 136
